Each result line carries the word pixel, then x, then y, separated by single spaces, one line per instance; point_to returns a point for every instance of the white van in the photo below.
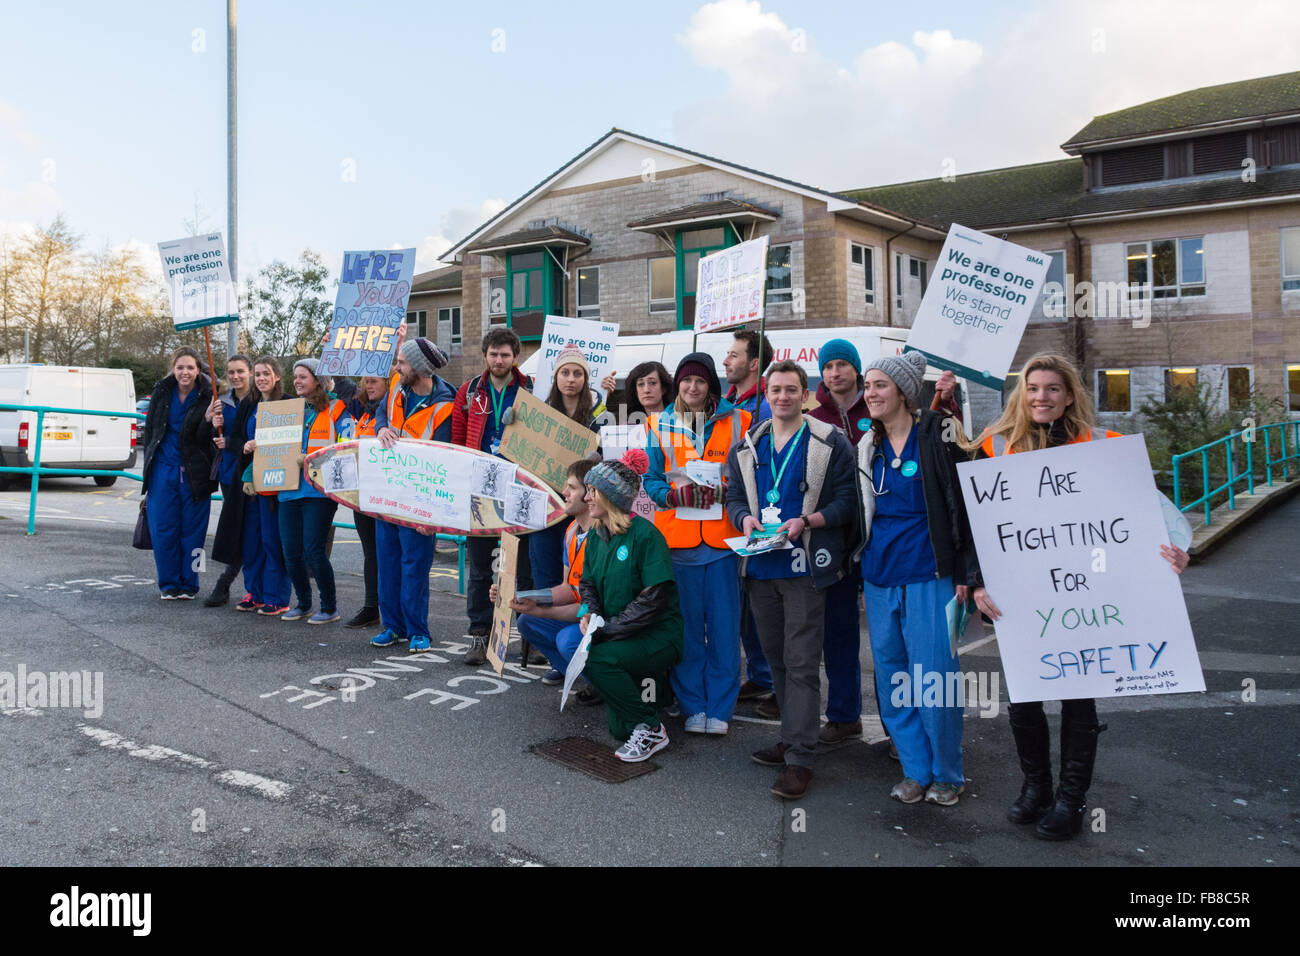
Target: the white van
pixel 99 442
pixel 802 345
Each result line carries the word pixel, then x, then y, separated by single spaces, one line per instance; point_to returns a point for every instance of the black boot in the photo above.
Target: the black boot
pixel 1033 745
pixel 1078 754
pixel 220 595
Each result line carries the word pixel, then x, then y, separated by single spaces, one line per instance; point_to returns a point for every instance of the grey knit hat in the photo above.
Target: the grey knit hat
pixel 906 370
pixel 424 356
pixel 617 482
pixel 308 363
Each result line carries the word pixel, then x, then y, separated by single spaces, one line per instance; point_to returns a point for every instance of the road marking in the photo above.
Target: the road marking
pixel 974 644
pixel 274 789
pixel 152 752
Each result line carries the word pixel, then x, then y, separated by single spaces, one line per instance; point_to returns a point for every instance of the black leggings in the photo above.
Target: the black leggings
pixel 1083 711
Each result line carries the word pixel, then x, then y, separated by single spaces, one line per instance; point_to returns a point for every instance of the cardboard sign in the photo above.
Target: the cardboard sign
pixel 977 305
pixel 373 289
pixel 198 281
pixel 415 482
pixel 279 443
pixel 1069 544
pixel 499 637
pixel 730 287
pixel 595 340
pixel 545 441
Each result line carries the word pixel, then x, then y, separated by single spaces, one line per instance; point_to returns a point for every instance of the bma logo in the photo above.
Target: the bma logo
pixel 1034 259
pixel 273 477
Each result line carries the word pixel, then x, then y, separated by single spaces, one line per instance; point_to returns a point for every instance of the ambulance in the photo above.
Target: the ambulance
pixel 98 442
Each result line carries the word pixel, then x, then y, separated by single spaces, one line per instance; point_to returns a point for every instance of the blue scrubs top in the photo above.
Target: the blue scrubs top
pixel 791 563
pixel 227 470
pixel 169 452
pixel 492 429
pixel 899 552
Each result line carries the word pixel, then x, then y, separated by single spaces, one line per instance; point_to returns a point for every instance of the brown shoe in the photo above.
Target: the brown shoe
pixel 773 756
pixel 793 782
pixel 477 653
pixel 834 733
pixel 751 691
pixel 769 708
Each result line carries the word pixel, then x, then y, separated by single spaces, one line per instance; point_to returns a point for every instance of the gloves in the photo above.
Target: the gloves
pixel 692 496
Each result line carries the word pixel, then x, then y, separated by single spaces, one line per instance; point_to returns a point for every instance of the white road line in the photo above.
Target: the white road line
pixel 974 644
pixel 152 752
pixel 275 789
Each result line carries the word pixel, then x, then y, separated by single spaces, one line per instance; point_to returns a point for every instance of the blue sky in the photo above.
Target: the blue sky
pixel 114 114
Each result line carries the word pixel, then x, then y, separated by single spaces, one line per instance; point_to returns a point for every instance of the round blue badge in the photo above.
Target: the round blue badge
pixel 864 424
pixel 773 496
pixel 908 469
pixel 622 553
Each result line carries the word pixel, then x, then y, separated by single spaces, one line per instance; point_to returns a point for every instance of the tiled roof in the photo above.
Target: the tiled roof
pixel 722 209
pixel 1245 99
pixel 436 280
pixel 530 237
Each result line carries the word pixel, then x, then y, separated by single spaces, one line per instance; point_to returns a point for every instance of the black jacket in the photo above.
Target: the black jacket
pixel 227 542
pixel 945 511
pixel 197 453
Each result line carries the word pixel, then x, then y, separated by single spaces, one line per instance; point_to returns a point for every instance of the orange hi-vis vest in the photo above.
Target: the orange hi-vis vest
pixel 366 425
pixel 324 430
pixel 421 423
pixel 996 445
pixel 574 550
pixel 678 450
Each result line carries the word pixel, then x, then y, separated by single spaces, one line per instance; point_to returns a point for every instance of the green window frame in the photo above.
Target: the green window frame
pixel 533 290
pixel 693 245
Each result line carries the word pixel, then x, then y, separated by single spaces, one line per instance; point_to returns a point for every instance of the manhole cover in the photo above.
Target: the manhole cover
pixel 593 759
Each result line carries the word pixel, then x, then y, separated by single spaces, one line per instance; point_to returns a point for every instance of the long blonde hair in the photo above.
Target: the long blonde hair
pixel 1017 426
pixel 615 520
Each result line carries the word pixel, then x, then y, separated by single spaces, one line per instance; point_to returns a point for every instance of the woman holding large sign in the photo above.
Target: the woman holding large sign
pixel 1049 408
pixel 918 555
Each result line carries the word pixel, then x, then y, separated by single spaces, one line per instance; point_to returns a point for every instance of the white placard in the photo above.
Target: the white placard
pixel 595 340
pixel 490 477
pixel 1069 545
pixel 977 305
pixel 339 474
pixel 198 281
pixel 615 440
pixel 730 286
pixel 526 506
pixel 421 483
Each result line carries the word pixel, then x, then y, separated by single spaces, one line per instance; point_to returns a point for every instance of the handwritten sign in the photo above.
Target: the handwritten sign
pixel 545 441
pixel 373 289
pixel 730 285
pixel 198 281
pixel 415 482
pixel 594 339
pixel 1069 545
pixel 976 307
pixel 499 637
pixel 279 443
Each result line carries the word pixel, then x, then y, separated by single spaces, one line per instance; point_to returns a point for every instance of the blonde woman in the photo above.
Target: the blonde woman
pixel 1049 408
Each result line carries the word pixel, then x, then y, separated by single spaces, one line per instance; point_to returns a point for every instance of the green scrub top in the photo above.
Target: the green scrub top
pixel 624 566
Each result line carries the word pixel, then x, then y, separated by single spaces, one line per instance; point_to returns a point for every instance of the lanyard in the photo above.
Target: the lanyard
pixel 422 400
pixel 789 453
pixel 498 405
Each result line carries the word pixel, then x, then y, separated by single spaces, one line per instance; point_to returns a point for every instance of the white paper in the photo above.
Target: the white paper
pixel 594 339
pixel 579 659
pixel 526 506
pixel 1069 542
pixel 490 477
pixel 747 549
pixel 198 279
pixel 340 474
pixel 700 473
pixel 426 484
pixel 730 286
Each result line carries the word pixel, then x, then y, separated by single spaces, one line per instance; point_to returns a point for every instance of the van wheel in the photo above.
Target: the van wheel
pixel 105 481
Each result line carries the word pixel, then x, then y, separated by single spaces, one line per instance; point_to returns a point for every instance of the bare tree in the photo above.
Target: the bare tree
pixel 44 263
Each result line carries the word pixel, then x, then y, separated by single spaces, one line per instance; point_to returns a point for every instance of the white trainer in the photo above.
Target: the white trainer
pixel 697 724
pixel 715 725
pixel 642 744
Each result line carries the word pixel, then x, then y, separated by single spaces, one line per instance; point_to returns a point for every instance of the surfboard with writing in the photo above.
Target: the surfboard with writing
pixel 435 486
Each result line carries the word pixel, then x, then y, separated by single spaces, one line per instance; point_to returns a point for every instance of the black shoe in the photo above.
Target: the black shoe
pixel 477 653
pixel 219 597
pixel 1063 821
pixel 1078 755
pixel 588 697
pixel 1033 747
pixel 773 756
pixel 366 617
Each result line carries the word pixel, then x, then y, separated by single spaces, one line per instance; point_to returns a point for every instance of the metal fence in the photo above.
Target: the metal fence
pixel 1239 465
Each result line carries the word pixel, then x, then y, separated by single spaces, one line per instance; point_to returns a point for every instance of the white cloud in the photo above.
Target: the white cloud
pixel 12 122
pixel 35 202
pixel 900 108
pixel 455 224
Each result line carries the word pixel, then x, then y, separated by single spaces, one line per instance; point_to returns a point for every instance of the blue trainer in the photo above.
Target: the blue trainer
pixel 420 644
pixel 385 639
pixel 553 679
pixel 295 614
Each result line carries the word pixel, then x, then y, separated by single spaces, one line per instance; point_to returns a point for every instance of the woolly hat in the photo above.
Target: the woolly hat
pixel 571 355
pixel 619 481
pixel 423 356
pixel 839 349
pixel 907 371
pixel 308 363
pixel 701 364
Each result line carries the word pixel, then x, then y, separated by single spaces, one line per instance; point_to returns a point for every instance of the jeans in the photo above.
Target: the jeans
pixel 841 649
pixel 708 678
pixel 404 557
pixel 556 639
pixel 370 569
pixel 480 551
pixel 178 527
pixel 304 535
pixel 791 614
pixel 908 627
pixel 264 573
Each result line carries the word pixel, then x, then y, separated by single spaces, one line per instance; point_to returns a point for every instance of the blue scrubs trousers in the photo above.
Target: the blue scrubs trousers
pixel 404 557
pixel 909 627
pixel 304 534
pixel 556 639
pixel 264 574
pixel 708 678
pixel 178 527
pixel 841 651
pixel 546 555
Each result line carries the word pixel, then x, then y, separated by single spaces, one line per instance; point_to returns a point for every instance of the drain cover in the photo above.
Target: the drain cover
pixel 593 759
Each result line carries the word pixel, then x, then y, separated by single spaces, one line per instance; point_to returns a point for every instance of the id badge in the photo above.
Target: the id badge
pixel 772 516
pixel 495 447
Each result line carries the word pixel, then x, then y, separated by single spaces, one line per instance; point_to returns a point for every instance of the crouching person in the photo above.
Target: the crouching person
pixel 627 579
pixel 793 474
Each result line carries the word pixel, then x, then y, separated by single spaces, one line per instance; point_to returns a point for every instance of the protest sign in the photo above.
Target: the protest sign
pixel 373 289
pixel 279 443
pixel 198 281
pixel 507 567
pixel 1069 542
pixel 615 440
pixel 594 339
pixel 414 481
pixel 544 441
pixel 976 307
pixel 730 285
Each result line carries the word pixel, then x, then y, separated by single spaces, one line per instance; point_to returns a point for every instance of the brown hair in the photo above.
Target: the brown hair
pixel 501 336
pixel 556 399
pixel 753 349
pixel 789 366
pixel 644 370
pixel 580 468
pixel 277 389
